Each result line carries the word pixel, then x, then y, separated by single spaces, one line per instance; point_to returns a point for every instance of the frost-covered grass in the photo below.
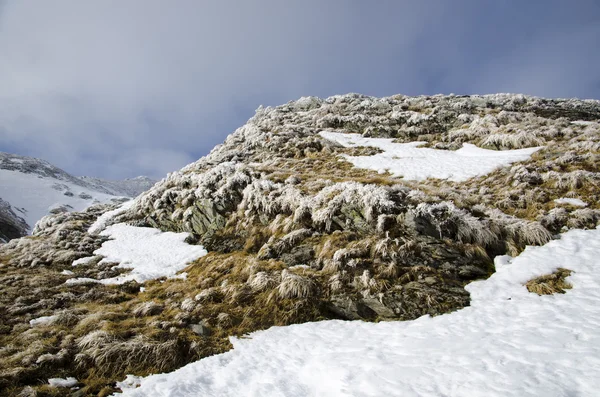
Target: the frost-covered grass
pixel 101 223
pixel 510 342
pixel 149 253
pixel 417 163
pixel 297 234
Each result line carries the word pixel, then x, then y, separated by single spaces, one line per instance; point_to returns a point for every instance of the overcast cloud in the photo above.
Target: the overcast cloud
pixel 124 88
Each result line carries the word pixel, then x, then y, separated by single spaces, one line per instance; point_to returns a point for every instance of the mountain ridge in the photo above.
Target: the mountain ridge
pixel 32 188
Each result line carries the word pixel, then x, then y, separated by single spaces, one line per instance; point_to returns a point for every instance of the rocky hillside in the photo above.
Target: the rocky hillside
pixel 31 188
pixel 11 225
pixel 316 209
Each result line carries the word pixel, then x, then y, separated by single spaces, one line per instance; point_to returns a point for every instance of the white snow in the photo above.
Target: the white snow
pixel 582 122
pixel 42 320
pixel 33 196
pixel 60 382
pixel 149 253
pixel 571 201
pixel 84 280
pixel 130 382
pixel 83 261
pixel 103 219
pixel 509 342
pixel 417 163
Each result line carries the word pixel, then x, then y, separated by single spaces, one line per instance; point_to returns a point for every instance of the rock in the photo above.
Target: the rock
pixel 205 218
pixel 378 307
pixel 350 309
pixel 300 255
pixel 201 329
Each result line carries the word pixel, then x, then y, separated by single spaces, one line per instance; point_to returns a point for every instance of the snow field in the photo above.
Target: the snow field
pixel 509 342
pixel 416 163
pixel 37 195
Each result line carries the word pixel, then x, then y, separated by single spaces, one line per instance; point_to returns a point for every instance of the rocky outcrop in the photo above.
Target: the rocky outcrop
pixel 11 225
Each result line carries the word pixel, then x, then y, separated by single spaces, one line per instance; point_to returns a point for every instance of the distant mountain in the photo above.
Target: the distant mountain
pixel 32 188
pixel 130 187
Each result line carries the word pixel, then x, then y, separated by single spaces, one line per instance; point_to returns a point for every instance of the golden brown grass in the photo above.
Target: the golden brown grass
pixel 548 284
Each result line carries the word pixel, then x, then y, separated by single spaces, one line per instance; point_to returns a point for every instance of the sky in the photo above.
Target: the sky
pixel 121 88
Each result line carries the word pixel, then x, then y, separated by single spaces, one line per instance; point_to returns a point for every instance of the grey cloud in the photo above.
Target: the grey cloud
pixel 121 88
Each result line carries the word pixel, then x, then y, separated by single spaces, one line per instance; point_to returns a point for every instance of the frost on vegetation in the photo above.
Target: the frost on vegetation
pixel 512 141
pixel 109 355
pixel 147 309
pixel 262 281
pixel 520 230
pixel 369 200
pixel 572 180
pixel 450 221
pixel 393 249
pixel 584 218
pixel 271 198
pixel 221 184
pixel 294 286
pixel 103 220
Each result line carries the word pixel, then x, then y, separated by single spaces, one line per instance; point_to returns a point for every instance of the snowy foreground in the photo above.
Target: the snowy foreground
pixel 416 163
pixel 508 343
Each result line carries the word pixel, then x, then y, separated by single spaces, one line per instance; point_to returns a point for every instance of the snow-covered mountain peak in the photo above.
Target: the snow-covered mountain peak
pixel 32 188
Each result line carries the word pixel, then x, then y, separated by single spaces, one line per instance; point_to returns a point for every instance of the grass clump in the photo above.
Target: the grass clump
pixel 549 284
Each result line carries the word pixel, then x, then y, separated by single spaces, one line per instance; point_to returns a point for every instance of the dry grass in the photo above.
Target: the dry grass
pixel 554 283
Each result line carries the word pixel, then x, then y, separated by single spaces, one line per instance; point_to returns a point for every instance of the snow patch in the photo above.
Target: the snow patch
pixel 571 201
pixel 509 342
pixel 83 261
pixel 60 382
pixel 582 122
pixel 417 163
pixel 149 253
pixel 130 382
pixel 46 320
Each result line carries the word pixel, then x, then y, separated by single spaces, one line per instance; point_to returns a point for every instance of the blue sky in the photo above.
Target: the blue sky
pixel 142 87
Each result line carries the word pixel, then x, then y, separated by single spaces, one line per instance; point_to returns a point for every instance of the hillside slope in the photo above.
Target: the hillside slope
pixel 349 207
pixel 34 188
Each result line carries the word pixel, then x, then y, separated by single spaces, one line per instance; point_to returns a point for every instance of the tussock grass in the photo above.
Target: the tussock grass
pixel 295 286
pixel 554 283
